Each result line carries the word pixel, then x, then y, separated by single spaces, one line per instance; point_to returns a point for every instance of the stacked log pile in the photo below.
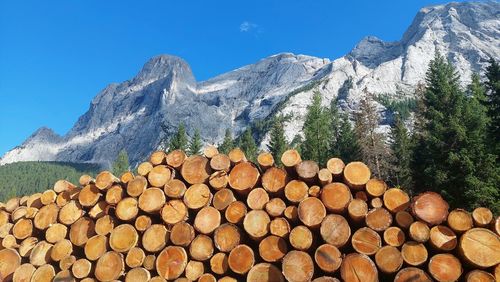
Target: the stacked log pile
pixel 217 217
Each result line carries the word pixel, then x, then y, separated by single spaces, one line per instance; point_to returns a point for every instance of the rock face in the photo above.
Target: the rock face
pixel 129 115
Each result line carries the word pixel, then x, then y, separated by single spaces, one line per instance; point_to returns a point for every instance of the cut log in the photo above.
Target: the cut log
pixel 430 207
pixel 22 273
pixel 478 276
pixel 114 194
pixel 227 237
pixel 256 224
pixel 171 262
pixel 96 247
pixel 194 269
pixel 158 158
pixel 359 268
pixel 257 199
pixel 196 169
pixel 220 162
pixel 81 268
pixel 394 236
pixel 81 231
pixel 419 231
pixel 10 261
pixel 396 200
pixel 144 168
pixel 275 207
pixel 136 186
pixel 301 238
pixel 328 258
pixel 218 263
pixel 159 175
pixel 290 158
pixel 376 187
pixel 104 225
pixel 152 200
pixel 311 212
pixel 46 216
pixel 61 250
pixel 197 196
pixel 279 227
pixel 325 176
pixel 174 211
pixel 123 238
pixel 243 177
pixel 70 213
pixel 297 266
pixel 127 209
pixel 155 238
pixel 22 229
pixel 142 223
pixel 442 238
pixel 105 179
pixel 357 210
pixel 307 171
pixel 176 158
pixel 366 241
pixel 336 197
pixel 482 217
pixel 138 274
pixel 378 219
pixel 110 266
pixel 44 273
pixel 265 160
pixel 135 257
pixel 412 274
pixel 414 253
pixel 265 272
pixel 460 220
pixel 207 220
pixel 241 259
pixel 201 248
pixel 356 175
pixel 182 234
pixel 445 267
pixel 389 259
pixel 175 189
pixel 272 248
pixel 236 212
pixel 89 195
pixel 335 166
pixel 274 179
pixel 404 219
pixel 40 254
pixel 480 247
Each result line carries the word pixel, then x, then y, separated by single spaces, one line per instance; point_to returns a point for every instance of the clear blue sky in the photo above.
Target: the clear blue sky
pixel 55 56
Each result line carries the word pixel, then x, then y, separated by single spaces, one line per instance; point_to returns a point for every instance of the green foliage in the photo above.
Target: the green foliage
pixel 344 141
pixel 401 146
pixel 121 164
pixel 26 178
pixel 228 142
pixel 247 144
pixel 317 131
pixel 402 105
pixel 277 144
pixel 179 140
pixel 195 143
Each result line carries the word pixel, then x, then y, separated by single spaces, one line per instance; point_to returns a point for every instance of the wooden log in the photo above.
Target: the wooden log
pixel 182 234
pixel 114 194
pixel 394 236
pixel 257 199
pixel 67 262
pixel 63 185
pixel 275 207
pixel 357 210
pixel 356 175
pixel 376 187
pixel 136 186
pixel 105 180
pixel 44 273
pixel 479 241
pixel 265 272
pixel 301 238
pixel 218 263
pixel 311 211
pixel 155 238
pixel 123 238
pixel 445 267
pixel 403 219
pixel 10 261
pixel 272 248
pixel 414 253
pixel 194 269
pixel 109 267
pixel 430 207
pixel 378 219
pixel 26 246
pixel 241 259
pixel 307 171
pixel 175 189
pixel 138 274
pixel 412 274
pixel 81 231
pixel 442 238
pixel 477 276
pixel 70 213
pixel 328 258
pixel 48 197
pixel 152 200
pixel 144 168
pixel 81 268
pixel 218 180
pixel 482 217
pixel 61 250
pixel 196 169
pixel 46 216
pixel 207 220
pixel 336 197
pixel 127 209
pixel 265 160
pixel 243 177
pixel 358 267
pixel 290 158
pixel 335 166
pixel 366 241
pixel 174 211
pixel 279 227
pixel 201 248
pixel 459 220
pixel 158 158
pixel 171 262
pixel 237 156
pixel 22 273
pixel 149 262
pixel 159 175
pixel 40 254
pixel 396 200
pixel 227 237
pixel 22 229
pixel 89 195
pixel 135 257
pixel 325 176
pixel 256 224
pixel 220 162
pixel 274 180
pixel 96 247
pixel 389 259
pixel 176 158
pixel 335 230
pixel 419 231
pixel 197 196
pixel 222 199
pixel 104 225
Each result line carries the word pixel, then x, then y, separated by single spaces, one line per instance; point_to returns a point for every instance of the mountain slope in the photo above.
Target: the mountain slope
pixel 128 115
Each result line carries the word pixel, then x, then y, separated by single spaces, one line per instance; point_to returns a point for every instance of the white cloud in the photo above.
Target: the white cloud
pixel 247 26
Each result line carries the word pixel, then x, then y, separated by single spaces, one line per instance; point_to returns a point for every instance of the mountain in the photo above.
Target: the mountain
pixel 129 115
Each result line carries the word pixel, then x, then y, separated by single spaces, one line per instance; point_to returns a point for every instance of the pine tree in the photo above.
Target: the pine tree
pixel 344 142
pixel 179 140
pixel 402 153
pixel 120 165
pixel 492 101
pixel 195 143
pixel 247 144
pixel 317 131
pixel 277 144
pixel 228 142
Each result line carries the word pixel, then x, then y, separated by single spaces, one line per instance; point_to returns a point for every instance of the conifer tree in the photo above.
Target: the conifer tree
pixel 195 143
pixel 179 140
pixel 228 142
pixel 317 131
pixel 277 144
pixel 344 142
pixel 247 144
pixel 121 164
pixel 402 154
